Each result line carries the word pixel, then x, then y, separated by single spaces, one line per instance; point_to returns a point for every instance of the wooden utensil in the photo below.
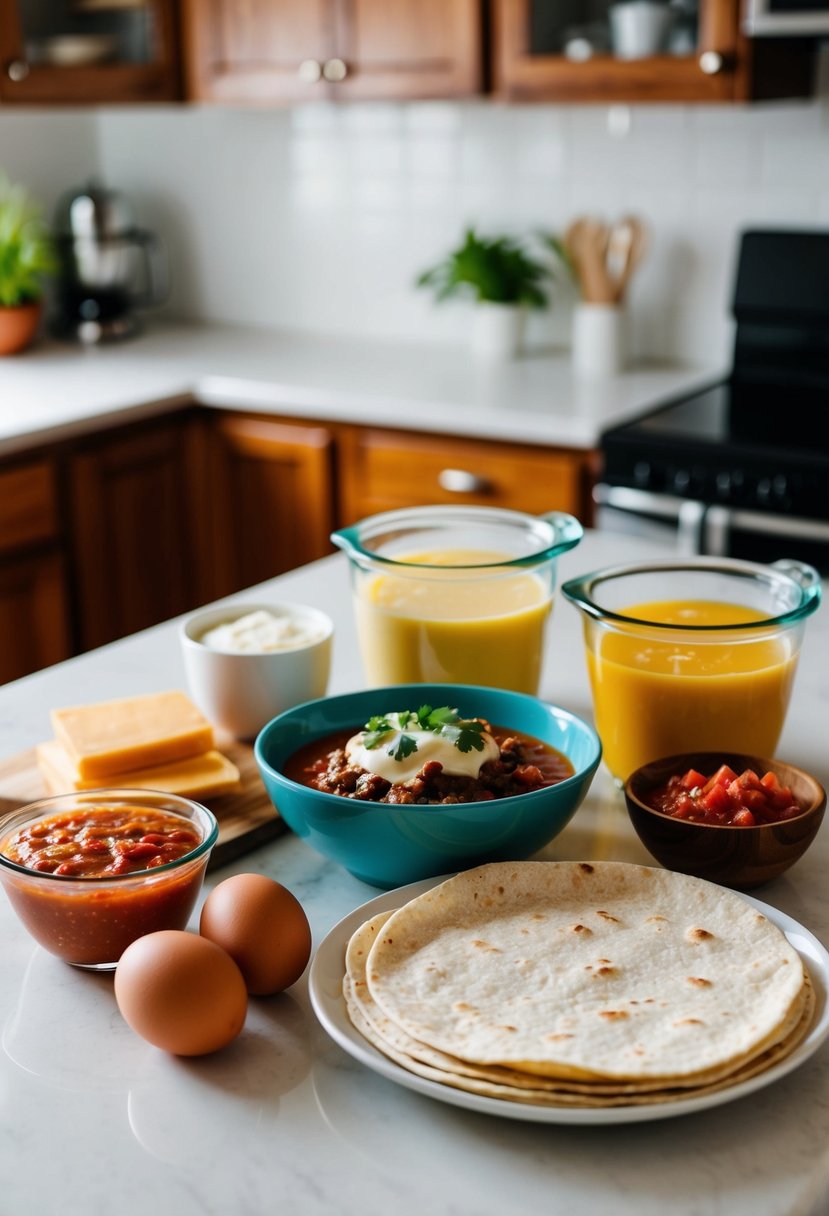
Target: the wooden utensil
pixel 625 249
pixel 586 241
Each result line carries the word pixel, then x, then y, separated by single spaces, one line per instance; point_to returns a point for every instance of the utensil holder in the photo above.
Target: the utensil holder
pixel 598 348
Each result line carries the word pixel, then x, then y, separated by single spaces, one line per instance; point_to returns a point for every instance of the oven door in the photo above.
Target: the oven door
pixel 661 517
pixel 757 536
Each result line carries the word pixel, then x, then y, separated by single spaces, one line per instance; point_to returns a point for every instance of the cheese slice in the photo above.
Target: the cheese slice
pixel 202 776
pixel 115 737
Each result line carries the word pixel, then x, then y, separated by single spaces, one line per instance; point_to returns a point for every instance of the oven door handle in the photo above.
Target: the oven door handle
pixel 719 521
pixel 686 513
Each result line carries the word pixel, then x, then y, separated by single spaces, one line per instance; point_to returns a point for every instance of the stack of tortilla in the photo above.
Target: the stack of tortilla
pixel 578 984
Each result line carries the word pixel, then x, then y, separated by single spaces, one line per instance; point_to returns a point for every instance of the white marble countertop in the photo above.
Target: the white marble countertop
pixel 56 390
pixel 94 1121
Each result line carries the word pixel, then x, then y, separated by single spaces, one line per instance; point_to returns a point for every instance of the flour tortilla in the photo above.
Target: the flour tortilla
pixel 508 1084
pixel 589 972
pixel 565 1096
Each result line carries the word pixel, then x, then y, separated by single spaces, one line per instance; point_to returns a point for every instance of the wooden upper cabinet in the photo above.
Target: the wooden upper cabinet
pixel 88 51
pixel 536 48
pixel 295 50
pixel 256 50
pixel 409 48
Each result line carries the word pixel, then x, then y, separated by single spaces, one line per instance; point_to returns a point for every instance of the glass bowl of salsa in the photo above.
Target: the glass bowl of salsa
pixel 88 873
pixel 733 818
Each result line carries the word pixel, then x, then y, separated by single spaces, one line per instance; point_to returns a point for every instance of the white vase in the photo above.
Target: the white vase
pixel 598 340
pixel 498 330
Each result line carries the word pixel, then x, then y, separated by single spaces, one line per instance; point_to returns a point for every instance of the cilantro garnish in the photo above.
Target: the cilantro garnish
pixel 463 733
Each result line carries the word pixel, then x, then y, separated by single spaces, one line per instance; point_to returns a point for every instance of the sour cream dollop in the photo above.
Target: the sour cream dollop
pixel 261 632
pixel 381 760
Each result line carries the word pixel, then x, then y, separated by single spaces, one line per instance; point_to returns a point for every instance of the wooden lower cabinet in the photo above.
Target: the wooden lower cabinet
pixel 34 615
pixel 271 498
pixel 134 561
pixel 104 536
pixel 382 470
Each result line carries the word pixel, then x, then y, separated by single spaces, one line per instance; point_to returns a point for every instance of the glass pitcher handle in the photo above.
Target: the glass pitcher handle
pixel 806 577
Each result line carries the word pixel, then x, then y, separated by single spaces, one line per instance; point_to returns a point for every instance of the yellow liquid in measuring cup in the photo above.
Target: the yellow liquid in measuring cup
pixel 656 698
pixel 454 626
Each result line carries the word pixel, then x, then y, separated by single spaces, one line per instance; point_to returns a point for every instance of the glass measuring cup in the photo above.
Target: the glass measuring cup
pixel 449 594
pixel 698 655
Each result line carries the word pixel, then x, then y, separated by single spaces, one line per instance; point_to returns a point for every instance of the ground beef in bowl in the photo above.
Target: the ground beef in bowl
pixel 525 764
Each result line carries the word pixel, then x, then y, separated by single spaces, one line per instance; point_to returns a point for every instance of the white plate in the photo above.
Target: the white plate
pixel 325 986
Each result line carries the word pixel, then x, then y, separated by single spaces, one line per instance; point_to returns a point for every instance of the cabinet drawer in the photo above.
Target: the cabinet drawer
pixel 28 505
pixel 385 469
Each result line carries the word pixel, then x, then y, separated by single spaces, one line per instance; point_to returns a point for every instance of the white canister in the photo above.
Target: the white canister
pixel 640 28
pixel 598 340
pixel 498 330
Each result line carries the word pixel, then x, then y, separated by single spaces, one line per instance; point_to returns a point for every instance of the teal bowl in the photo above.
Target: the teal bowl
pixel 388 845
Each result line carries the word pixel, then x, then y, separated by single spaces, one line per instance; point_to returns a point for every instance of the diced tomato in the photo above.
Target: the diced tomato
pixel 692 780
pixel 723 776
pixel 716 799
pixel 726 799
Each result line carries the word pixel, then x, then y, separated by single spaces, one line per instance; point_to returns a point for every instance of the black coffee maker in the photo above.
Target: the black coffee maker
pixel 108 267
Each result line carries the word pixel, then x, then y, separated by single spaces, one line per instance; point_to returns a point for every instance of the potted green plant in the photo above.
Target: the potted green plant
pixel 504 281
pixel 26 258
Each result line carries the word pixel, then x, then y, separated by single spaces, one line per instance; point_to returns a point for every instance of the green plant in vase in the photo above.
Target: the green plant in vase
pixel 504 281
pixel 26 259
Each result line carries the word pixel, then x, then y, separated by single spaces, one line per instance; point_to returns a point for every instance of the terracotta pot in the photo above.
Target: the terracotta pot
pixel 18 326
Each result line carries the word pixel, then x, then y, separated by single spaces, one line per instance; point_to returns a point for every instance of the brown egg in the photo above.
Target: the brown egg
pixel 181 992
pixel 263 928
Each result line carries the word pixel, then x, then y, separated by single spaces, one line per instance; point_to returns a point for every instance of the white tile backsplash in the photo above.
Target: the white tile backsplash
pixel 319 217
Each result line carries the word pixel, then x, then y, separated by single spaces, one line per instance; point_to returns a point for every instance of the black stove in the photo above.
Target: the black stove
pixel 744 465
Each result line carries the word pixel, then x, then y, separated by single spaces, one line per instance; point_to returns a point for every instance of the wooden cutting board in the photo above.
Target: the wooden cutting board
pixel 246 819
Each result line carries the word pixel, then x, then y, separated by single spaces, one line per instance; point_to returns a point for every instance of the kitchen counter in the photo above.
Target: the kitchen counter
pixel 94 1120
pixel 57 390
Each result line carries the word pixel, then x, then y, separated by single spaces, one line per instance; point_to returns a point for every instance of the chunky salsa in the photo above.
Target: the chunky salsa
pixel 524 764
pixel 99 842
pixel 725 798
pixel 92 879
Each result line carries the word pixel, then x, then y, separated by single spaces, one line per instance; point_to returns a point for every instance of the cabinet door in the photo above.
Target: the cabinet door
pixel 257 50
pixel 34 615
pixel 382 470
pixel 554 52
pixel 408 48
pixel 132 532
pixel 271 498
pixel 88 51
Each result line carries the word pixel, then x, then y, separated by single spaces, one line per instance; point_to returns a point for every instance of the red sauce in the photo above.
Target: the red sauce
pixel 726 799
pixel 526 764
pixel 95 884
pixel 100 841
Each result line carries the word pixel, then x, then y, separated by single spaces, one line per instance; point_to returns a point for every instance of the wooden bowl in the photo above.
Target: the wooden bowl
pixel 740 857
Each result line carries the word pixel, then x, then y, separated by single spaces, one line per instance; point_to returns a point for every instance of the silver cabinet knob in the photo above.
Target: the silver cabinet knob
pixel 310 71
pixel 17 70
pixel 460 481
pixel 335 70
pixel 711 63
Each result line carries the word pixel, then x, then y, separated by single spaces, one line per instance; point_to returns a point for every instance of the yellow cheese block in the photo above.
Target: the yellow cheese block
pixel 197 777
pixel 115 737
